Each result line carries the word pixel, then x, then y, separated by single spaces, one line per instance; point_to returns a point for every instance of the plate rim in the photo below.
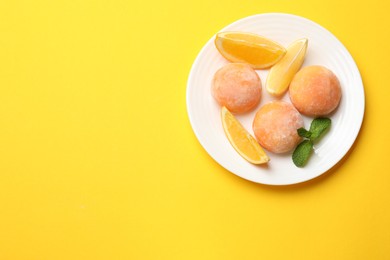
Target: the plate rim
pixel 358 78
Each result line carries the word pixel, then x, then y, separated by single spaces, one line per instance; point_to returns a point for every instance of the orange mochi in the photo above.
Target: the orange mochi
pixel 237 87
pixel 315 91
pixel 275 126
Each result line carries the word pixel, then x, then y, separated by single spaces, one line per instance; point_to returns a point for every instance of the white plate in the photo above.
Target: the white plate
pixel 323 49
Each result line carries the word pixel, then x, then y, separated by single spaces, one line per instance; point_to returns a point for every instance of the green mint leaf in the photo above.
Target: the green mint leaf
pixel 318 127
pixel 302 153
pixel 302 132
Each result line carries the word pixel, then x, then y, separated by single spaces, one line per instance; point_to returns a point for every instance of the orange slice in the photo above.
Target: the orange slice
pixel 281 74
pixel 258 51
pixel 245 144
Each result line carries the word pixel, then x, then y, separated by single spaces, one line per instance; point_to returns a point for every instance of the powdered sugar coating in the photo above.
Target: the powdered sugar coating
pixel 237 86
pixel 275 126
pixel 315 91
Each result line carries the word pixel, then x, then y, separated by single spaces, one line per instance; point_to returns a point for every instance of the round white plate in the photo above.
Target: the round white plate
pixel 323 49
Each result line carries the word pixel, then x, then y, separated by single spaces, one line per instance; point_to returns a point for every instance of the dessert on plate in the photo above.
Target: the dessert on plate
pixel 237 87
pixel 275 126
pixel 315 91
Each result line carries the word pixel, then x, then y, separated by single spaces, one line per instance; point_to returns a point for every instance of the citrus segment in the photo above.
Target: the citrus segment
pixel 281 74
pixel 245 144
pixel 258 51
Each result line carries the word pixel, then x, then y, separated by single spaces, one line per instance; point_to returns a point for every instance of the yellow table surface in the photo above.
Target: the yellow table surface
pixel 98 159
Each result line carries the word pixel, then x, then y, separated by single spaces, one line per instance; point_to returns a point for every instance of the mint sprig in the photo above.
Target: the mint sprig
pixel 318 127
pixel 303 151
pixel 302 132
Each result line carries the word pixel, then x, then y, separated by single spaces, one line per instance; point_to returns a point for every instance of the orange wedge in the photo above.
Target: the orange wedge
pixel 245 144
pixel 281 74
pixel 258 51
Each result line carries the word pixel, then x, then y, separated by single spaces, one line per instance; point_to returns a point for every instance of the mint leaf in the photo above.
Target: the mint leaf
pixel 302 132
pixel 302 153
pixel 318 127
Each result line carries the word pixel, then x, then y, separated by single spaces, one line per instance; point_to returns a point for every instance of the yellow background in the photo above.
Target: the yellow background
pixel 98 159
